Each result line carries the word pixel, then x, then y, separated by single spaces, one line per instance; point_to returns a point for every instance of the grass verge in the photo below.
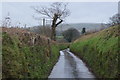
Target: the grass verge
pixel 100 52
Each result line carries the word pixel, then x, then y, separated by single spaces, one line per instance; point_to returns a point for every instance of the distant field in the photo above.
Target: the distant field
pixel 59 37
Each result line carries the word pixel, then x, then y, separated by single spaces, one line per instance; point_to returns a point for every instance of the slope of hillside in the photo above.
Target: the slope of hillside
pixel 100 52
pixel 27 55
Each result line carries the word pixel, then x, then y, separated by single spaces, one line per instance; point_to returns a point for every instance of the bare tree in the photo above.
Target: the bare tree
pixel 115 20
pixel 57 12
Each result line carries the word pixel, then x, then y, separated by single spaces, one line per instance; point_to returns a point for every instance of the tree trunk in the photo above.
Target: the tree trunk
pixel 54 25
pixel 53 35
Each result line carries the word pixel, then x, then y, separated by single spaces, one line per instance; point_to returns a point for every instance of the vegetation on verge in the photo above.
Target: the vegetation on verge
pixel 100 52
pixel 27 61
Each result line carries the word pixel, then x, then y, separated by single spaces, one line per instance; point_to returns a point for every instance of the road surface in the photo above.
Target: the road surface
pixel 70 66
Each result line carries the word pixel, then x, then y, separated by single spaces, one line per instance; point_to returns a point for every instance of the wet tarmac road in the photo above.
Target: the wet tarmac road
pixel 70 66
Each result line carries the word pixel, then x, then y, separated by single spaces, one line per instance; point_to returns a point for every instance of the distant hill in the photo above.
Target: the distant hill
pixel 79 26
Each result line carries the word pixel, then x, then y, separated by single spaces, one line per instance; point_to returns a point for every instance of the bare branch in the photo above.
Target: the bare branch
pixel 59 22
pixel 43 11
pixel 58 8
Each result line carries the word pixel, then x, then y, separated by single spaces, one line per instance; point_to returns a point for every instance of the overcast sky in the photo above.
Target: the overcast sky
pixel 81 12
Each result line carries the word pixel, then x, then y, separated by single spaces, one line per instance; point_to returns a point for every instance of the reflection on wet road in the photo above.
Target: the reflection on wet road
pixel 69 66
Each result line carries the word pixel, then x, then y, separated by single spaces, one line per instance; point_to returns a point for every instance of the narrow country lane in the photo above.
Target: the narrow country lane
pixel 69 66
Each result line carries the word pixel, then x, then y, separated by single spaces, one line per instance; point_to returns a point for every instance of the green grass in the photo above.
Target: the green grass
pixel 100 52
pixel 27 61
pixel 59 37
